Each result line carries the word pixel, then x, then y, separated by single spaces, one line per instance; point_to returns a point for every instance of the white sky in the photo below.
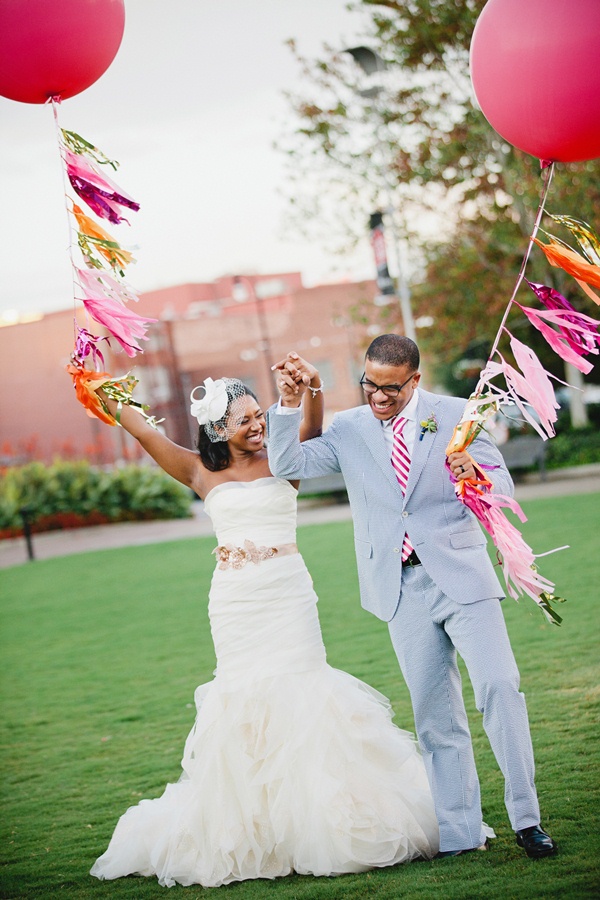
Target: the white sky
pixel 190 107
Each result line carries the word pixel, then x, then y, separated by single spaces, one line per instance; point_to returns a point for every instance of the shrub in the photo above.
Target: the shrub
pixel 72 494
pixel 573 448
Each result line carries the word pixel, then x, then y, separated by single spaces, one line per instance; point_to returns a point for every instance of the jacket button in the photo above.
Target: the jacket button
pixel 405 515
pixel 396 549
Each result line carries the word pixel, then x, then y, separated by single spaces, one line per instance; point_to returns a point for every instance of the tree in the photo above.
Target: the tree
pixel 422 137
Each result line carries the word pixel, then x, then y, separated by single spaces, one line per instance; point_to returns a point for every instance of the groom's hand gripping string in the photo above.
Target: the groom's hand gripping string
pixel 461 465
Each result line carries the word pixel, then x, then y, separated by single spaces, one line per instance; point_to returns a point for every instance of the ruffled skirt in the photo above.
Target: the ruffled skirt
pixel 291 766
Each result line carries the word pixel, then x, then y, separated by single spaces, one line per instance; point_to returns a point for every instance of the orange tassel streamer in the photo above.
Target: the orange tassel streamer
pixel 112 253
pixel 584 272
pixel 86 383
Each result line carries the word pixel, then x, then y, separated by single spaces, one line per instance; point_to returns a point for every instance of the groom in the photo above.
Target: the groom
pixel 423 568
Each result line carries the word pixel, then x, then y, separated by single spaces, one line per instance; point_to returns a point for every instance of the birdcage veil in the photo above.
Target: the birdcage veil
pixel 221 408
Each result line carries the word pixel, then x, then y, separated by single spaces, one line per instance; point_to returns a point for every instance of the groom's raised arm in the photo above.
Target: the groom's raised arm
pixel 289 457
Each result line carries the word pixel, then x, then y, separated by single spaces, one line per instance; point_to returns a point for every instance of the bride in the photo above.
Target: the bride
pixel 291 765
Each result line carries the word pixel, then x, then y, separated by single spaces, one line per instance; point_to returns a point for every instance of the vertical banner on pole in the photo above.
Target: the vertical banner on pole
pixel 384 280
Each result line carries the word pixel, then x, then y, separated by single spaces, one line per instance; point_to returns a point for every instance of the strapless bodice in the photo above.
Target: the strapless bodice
pixel 261 511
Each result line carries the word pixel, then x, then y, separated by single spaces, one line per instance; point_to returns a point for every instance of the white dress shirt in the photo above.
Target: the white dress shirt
pixel 410 429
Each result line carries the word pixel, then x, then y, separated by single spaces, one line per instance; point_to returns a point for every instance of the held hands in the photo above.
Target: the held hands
pixel 294 377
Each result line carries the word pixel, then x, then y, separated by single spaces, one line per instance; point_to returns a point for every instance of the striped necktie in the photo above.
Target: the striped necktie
pixel 401 464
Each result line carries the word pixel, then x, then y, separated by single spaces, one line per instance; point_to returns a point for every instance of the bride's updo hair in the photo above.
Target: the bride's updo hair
pixel 215 454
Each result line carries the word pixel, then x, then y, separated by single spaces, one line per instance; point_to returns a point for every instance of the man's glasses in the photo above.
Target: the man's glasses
pixel 390 390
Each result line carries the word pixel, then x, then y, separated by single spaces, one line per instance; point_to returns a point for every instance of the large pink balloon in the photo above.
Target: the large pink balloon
pixel 535 68
pixel 56 47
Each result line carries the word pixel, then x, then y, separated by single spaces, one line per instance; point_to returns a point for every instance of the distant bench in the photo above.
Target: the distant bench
pixel 523 452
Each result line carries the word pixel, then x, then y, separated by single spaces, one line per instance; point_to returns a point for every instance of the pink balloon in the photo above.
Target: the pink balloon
pixel 56 47
pixel 535 69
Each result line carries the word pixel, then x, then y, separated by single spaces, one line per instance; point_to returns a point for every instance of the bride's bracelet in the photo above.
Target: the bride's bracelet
pixel 315 390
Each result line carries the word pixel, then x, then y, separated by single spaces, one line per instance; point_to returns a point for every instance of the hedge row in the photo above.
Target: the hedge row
pixel 72 494
pixel 573 448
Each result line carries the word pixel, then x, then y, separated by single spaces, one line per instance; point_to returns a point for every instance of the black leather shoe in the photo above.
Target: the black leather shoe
pixel 535 842
pixel 444 854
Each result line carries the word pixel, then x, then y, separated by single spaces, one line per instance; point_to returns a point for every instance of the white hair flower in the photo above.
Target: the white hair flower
pixel 213 405
pixel 222 408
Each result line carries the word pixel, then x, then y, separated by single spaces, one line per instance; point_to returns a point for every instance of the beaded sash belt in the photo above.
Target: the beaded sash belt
pixel 230 557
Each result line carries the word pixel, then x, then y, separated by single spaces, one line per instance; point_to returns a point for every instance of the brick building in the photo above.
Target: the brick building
pixel 233 326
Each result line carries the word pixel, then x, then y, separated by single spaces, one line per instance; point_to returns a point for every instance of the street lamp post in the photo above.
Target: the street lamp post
pixel 371 64
pixel 242 281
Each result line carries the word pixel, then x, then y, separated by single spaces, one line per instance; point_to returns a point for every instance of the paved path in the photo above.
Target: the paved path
pixel 13 552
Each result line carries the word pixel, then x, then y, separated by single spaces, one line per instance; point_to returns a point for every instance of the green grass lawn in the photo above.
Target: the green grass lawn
pixel 101 653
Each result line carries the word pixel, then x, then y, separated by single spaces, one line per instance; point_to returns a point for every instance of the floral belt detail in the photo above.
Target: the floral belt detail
pixel 230 557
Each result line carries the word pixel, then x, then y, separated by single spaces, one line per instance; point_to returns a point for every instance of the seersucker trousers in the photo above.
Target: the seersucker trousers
pixel 426 631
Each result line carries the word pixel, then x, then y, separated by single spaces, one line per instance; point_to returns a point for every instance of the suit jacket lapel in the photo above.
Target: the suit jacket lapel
pixel 371 431
pixel 428 405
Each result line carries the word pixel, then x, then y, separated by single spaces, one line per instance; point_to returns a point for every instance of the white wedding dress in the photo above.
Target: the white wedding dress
pixel 291 766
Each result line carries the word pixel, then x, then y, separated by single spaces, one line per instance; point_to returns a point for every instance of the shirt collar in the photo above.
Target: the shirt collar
pixel 409 411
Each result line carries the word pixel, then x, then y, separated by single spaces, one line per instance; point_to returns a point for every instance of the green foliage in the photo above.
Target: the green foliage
pixel 97 699
pixel 573 448
pixel 68 494
pixel 420 146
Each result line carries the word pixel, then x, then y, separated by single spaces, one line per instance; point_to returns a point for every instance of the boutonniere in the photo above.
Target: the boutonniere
pixel 429 424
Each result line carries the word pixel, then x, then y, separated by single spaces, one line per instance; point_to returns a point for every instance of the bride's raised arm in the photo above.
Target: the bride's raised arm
pixel 180 463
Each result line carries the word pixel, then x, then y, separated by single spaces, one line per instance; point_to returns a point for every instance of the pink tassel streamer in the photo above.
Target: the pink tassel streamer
pixel 515 556
pixel 102 284
pixel 101 194
pixel 531 390
pixel 562 341
pixel 535 387
pixel 125 326
pixel 86 345
pixel 553 300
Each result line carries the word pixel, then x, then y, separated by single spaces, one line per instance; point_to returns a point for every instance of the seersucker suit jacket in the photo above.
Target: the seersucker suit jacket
pixel 445 534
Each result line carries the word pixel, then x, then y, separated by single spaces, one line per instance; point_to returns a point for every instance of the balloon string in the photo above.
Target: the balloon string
pixel 55 102
pixel 548 173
